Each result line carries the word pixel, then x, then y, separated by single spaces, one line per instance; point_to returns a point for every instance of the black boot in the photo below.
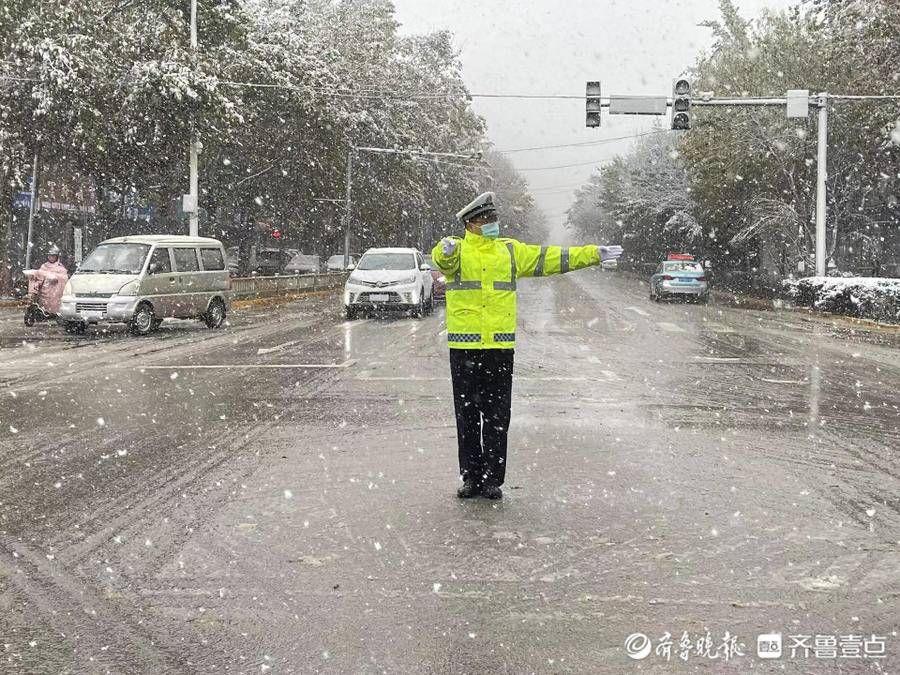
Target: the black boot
pixel 492 492
pixel 468 490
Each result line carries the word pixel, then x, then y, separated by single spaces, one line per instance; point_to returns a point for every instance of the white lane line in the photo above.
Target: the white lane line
pixel 670 327
pixel 638 310
pixel 377 378
pixel 239 366
pixel 765 379
pixel 270 350
pixel 370 378
pixel 284 345
pixel 717 359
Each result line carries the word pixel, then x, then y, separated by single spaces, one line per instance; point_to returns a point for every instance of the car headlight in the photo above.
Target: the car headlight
pixel 407 280
pixel 131 288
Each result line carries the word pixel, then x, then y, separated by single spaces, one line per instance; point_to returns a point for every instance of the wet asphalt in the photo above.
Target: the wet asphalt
pixel 278 495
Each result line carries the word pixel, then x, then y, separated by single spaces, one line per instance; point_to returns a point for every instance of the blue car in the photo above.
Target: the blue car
pixel 679 275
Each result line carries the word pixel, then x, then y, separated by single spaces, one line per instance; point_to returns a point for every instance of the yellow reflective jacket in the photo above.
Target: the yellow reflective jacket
pixel 481 284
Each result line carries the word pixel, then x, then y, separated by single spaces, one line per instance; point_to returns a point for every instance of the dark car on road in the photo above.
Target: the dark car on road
pixel 270 262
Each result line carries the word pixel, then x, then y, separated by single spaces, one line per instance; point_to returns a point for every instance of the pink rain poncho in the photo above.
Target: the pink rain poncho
pixel 47 285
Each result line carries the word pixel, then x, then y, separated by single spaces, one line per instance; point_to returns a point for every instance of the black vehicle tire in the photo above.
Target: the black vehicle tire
pixel 349 313
pixel 30 316
pixel 419 311
pixel 215 315
pixel 75 327
pixel 430 306
pixel 142 323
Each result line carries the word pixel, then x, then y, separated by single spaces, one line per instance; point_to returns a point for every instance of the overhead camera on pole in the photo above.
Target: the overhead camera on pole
pixel 681 104
pixel 593 106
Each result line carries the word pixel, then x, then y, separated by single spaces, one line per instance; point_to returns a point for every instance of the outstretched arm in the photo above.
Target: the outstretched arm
pixel 541 261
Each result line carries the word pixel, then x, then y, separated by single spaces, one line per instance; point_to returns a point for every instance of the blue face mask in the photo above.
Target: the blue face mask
pixel 490 230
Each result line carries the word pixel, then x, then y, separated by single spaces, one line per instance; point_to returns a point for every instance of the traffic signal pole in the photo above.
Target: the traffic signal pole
pixel 821 178
pixel 797 103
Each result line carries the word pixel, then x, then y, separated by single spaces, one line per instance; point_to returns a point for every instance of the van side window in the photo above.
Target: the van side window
pixel 186 260
pixel 212 259
pixel 160 258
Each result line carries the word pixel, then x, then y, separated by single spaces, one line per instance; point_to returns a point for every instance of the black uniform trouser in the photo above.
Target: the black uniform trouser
pixel 482 395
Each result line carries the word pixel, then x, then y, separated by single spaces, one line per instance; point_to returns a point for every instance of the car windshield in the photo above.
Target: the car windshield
pixel 337 260
pixel 115 259
pixel 681 266
pixel 387 261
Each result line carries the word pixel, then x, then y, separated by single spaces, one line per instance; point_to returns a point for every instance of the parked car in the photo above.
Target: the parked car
pixel 304 264
pixel 679 275
pixel 142 280
pixel 336 263
pixel 270 262
pixel 390 279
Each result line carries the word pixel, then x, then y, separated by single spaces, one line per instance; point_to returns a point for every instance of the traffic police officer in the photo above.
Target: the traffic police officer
pixel 482 270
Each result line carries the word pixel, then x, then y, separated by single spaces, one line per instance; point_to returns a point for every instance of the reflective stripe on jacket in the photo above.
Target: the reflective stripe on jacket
pixel 481 284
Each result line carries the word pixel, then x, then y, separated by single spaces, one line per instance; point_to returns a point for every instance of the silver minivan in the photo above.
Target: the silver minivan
pixel 142 280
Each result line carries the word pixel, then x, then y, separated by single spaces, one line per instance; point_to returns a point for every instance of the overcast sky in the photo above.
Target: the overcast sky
pixel 554 47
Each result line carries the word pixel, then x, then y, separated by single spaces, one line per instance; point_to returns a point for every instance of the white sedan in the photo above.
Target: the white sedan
pixel 390 279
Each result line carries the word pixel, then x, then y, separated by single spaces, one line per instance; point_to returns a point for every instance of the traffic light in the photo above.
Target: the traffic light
pixel 593 104
pixel 681 104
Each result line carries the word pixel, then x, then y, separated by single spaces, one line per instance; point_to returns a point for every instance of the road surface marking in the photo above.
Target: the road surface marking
pixel 378 378
pixel 269 350
pixel 638 310
pixel 717 359
pixel 402 379
pixel 238 366
pixel 670 327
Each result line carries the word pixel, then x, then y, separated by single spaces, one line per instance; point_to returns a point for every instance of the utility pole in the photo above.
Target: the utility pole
pixel 35 189
pixel 347 203
pixel 821 179
pixel 194 212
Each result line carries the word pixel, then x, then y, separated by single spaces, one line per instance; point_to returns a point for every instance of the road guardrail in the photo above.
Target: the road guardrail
pixel 261 287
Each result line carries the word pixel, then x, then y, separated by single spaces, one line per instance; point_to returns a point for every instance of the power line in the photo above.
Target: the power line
pixel 585 143
pixel 562 166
